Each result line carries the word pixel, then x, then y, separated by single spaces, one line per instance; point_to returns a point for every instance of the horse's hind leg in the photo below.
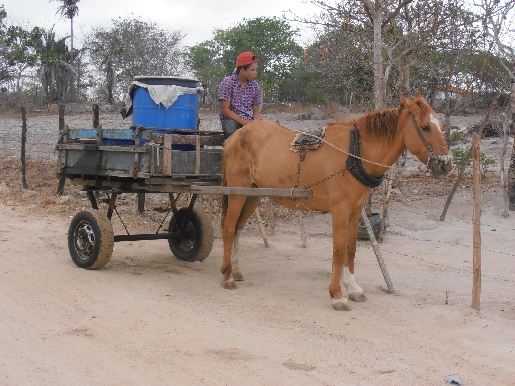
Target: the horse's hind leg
pixel 248 209
pixel 239 209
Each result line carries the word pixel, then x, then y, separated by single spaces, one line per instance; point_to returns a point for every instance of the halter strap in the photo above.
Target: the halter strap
pixel 354 164
pixel 424 140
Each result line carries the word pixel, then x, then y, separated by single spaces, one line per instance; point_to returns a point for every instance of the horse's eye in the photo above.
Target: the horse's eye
pixel 427 129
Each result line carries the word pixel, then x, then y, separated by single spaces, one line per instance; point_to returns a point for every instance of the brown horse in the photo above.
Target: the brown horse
pixel 259 155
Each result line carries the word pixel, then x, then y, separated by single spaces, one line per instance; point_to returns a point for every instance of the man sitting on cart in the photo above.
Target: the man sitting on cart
pixel 239 96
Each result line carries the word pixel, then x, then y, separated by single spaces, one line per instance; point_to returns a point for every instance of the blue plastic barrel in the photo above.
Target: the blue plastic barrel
pixel 183 114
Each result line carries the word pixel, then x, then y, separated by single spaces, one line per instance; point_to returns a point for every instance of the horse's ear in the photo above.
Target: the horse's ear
pixel 418 94
pixel 405 101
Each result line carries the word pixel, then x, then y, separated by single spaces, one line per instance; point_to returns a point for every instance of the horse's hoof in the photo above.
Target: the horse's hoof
pixel 237 276
pixel 341 304
pixel 229 284
pixel 359 297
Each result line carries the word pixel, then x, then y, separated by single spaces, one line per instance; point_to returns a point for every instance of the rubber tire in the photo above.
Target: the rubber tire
pixel 198 240
pixel 375 222
pixel 91 252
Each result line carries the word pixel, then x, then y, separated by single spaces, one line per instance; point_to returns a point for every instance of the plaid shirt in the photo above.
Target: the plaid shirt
pixel 241 99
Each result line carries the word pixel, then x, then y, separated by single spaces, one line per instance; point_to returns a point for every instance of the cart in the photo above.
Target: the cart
pixel 145 160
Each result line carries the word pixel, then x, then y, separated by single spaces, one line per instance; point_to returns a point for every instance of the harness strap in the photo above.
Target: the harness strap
pixel 419 132
pixel 355 166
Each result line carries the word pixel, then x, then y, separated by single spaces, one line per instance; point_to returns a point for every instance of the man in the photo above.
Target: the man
pixel 239 96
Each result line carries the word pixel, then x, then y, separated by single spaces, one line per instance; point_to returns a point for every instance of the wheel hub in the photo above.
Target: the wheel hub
pixel 84 240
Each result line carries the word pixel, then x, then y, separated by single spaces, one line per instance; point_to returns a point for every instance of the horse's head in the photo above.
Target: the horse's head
pixel 423 134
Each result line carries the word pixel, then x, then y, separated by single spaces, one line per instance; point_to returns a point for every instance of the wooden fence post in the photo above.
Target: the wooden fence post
pixel 476 221
pixel 60 186
pixel 23 141
pixel 96 123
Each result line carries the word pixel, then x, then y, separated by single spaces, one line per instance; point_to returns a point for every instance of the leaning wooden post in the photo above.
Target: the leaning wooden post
pixel 302 229
pixel 60 186
pixel 271 216
pixel 377 251
pixel 386 201
pixel 23 141
pixel 261 228
pixel 476 221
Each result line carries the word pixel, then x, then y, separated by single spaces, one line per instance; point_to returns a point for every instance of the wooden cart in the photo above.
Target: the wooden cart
pixel 145 160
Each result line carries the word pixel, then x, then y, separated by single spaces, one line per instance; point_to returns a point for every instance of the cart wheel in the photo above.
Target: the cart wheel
pixel 90 239
pixel 197 240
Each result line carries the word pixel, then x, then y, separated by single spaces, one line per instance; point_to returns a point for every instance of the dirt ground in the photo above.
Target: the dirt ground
pixel 150 319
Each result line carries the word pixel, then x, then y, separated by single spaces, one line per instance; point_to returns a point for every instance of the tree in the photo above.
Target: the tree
pixel 498 22
pixel 203 60
pixel 271 39
pixel 132 47
pixel 397 31
pixel 18 50
pixel 69 10
pixel 55 67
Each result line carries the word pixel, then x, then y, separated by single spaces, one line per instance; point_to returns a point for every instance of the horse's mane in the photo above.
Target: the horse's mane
pixel 381 124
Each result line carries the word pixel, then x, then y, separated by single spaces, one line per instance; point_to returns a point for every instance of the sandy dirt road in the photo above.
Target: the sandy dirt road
pixel 150 319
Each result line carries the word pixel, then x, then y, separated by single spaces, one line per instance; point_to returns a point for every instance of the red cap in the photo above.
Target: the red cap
pixel 246 58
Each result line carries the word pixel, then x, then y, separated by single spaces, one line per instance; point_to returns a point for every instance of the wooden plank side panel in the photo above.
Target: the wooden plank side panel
pixel 167 154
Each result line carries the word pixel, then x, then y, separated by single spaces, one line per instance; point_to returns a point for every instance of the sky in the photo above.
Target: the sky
pixel 197 18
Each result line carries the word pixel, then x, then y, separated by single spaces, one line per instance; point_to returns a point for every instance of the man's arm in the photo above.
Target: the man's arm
pixel 255 109
pixel 228 113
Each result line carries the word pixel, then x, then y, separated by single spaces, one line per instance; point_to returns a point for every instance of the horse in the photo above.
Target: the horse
pixel 341 174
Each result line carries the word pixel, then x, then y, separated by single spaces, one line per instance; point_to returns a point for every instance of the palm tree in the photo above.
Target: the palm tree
pixel 69 10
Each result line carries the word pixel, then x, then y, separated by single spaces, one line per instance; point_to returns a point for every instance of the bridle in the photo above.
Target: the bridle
pixel 424 140
pixel 430 151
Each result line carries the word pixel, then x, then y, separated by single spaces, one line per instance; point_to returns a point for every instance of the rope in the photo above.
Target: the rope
pixel 341 150
pixel 469 271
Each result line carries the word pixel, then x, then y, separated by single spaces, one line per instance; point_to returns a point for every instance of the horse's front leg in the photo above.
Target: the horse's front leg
pixel 354 291
pixel 340 225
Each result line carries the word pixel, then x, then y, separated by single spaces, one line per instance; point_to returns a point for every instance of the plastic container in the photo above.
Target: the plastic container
pixel 183 114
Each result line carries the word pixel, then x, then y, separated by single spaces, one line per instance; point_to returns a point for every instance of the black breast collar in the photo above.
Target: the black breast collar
pixel 355 166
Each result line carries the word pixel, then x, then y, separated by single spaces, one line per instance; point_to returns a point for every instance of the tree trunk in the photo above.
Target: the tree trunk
pixel 110 81
pixel 379 86
pixel 511 169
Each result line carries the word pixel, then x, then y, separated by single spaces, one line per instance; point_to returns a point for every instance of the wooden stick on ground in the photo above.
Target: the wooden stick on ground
pixel 377 251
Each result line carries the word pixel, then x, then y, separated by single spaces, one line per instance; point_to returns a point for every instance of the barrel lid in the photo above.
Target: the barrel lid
pixel 139 77
pixel 167 80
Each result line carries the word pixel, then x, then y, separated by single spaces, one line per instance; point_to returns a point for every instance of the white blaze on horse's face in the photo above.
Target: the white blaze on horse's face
pixel 435 121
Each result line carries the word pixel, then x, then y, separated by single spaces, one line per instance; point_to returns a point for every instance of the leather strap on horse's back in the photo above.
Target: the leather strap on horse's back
pixel 355 166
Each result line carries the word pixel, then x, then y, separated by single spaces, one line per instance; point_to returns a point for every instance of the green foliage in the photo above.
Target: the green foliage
pixel 18 48
pixel 460 156
pixel 68 9
pixel 270 39
pixel 204 62
pixel 456 135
